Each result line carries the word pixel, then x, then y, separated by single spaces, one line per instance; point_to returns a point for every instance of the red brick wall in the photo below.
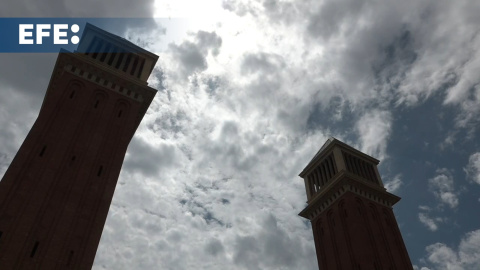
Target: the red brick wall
pixel 357 233
pixel 59 199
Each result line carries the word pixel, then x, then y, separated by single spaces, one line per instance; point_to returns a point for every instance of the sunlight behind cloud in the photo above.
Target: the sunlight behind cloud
pixel 204 13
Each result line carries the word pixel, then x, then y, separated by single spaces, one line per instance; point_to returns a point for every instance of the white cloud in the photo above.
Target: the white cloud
pixel 438 61
pixel 473 167
pixel 431 223
pixel 466 257
pixel 443 257
pixel 469 249
pixel 394 184
pixel 424 208
pixel 442 185
pixel 374 129
pixel 4 163
pixel 423 268
pixel 470 109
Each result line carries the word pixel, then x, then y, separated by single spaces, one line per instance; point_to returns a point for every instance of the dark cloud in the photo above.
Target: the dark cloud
pixel 337 115
pixel 247 252
pixel 18 111
pixel 214 247
pixel 37 67
pixel 192 55
pixel 334 18
pixel 170 124
pixel 148 159
pixel 238 7
pixel 271 248
pixel 4 163
pixel 277 11
pixel 209 41
pixel 225 149
pixel 264 63
pixel 71 8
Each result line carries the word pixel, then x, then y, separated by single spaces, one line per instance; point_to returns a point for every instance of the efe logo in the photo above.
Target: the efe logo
pixel 60 32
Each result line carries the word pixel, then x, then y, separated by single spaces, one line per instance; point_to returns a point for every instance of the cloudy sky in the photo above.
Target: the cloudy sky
pixel 248 91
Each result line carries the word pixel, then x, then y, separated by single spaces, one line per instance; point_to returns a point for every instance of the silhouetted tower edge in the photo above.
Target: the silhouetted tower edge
pixel 56 193
pixel 351 212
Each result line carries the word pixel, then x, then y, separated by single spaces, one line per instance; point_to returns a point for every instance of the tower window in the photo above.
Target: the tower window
pixel 100 171
pixel 96 104
pixel 90 47
pixel 119 113
pixel 113 55
pixel 72 94
pixel 360 167
pixel 141 68
pixel 43 151
pixel 34 250
pixel 97 48
pixel 119 61
pixel 105 52
pixel 1 234
pixel 127 62
pixel 134 67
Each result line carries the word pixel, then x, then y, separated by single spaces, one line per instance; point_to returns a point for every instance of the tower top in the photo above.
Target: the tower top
pixel 327 148
pixel 112 63
pixel 339 166
pixel 117 53
pixel 351 211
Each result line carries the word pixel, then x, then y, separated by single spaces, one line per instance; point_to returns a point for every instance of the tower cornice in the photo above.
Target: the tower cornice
pixel 105 77
pixel 346 182
pixel 327 148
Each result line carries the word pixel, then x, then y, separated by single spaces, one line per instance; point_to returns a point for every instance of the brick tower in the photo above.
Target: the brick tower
pixel 55 196
pixel 351 212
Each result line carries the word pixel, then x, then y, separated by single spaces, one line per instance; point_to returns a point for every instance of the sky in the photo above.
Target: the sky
pixel 248 91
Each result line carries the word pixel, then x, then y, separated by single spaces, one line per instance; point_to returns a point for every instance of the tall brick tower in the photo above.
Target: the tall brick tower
pixel 55 196
pixel 351 212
